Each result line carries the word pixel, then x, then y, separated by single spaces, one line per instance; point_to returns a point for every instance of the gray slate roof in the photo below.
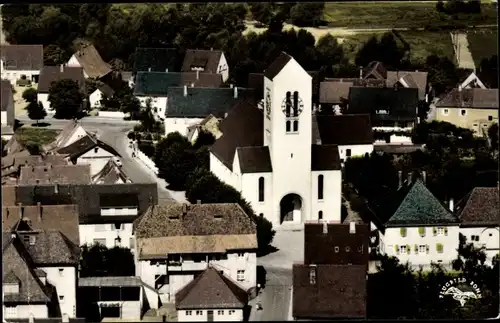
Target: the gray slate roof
pixel 349 129
pixel 470 98
pixel 22 57
pixel 85 144
pixel 254 159
pixel 480 207
pixel 158 83
pixel 156 59
pixel 277 65
pixel 51 74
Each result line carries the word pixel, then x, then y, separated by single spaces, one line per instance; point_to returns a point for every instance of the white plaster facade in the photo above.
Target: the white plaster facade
pixel 95 98
pixel 290 154
pixel 201 315
pixel 180 125
pixel 3 117
pixel 180 273
pixel 96 157
pixel 223 68
pixel 44 98
pixel 426 245
pixel 78 133
pixel 37 311
pixel 64 279
pixel 107 233
pixel 487 237
pixel 73 62
pixel 158 104
pixel 346 151
pixel 13 75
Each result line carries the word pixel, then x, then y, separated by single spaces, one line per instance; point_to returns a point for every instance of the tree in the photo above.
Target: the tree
pixel 493 136
pixel 488 71
pixel 30 95
pixel 205 138
pixel 307 14
pixel 36 111
pixel 66 99
pixel 440 6
pixel 98 261
pixel 262 12
pixel 443 74
pixel 423 110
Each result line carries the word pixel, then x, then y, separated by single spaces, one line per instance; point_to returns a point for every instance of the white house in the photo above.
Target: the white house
pixel 89 150
pixel 417 228
pixel 176 242
pixel 100 93
pixel 17 61
pixel 211 297
pixel 50 74
pixel 7 103
pixel 40 283
pixel 71 132
pixel 479 215
pixel 111 173
pixel 89 59
pixel 271 157
pixel 472 81
pixel 208 61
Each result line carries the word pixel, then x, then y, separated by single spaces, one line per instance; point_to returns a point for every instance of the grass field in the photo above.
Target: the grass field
pixel 483 43
pixel 422 44
pixel 37 135
pixel 397 14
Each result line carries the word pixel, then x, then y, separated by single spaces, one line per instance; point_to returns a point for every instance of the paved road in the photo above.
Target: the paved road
pixel 275 297
pixel 462 52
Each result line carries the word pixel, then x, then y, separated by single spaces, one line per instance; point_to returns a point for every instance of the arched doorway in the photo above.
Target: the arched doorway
pixel 290 208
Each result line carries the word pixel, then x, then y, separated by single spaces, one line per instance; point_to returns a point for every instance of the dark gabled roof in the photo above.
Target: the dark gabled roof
pixel 111 173
pixel 356 81
pixel 325 157
pixel 211 289
pixel 92 62
pixel 155 60
pixel 119 200
pixel 51 74
pixel 243 127
pixel 201 102
pixel 339 292
pixel 6 95
pixel 206 59
pixel 414 79
pixel 333 92
pixel 85 144
pixel 349 129
pixel 254 159
pixel 375 70
pixel 470 98
pixel 42 251
pixel 201 79
pixel 392 104
pixel 320 247
pixel 413 205
pixel 57 174
pixel 480 207
pixel 279 63
pixel 158 83
pixel 22 57
pixel 48 320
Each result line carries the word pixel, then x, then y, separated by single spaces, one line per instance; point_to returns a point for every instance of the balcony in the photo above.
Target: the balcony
pixel 119 211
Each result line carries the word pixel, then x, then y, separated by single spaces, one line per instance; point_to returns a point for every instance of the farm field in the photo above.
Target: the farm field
pixel 483 43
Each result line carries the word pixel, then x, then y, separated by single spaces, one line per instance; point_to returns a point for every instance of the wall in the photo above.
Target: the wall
pixel 159 103
pixel 95 99
pixel 97 158
pixel 223 66
pixel 473 119
pixel 44 98
pixel 65 285
pixel 3 117
pixel 250 191
pixel 89 232
pixel 488 237
pixel 180 125
pixel 78 133
pixel 111 114
pixel 14 75
pixel 223 173
pixel 356 150
pixel 450 242
pixel 203 317
pixel 75 63
pixel 24 311
pixel 331 203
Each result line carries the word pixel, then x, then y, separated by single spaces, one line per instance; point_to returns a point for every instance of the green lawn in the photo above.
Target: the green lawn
pixel 483 43
pixel 40 136
pixel 397 14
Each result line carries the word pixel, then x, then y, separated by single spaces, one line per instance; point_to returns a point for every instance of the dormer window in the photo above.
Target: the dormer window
pixel 312 275
pixel 218 216
pixel 32 240
pixel 26 239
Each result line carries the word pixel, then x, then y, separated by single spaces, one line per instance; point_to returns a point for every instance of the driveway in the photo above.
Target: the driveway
pixel 290 245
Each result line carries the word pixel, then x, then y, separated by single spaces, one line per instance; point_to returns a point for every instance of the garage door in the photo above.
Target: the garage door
pixel 110 311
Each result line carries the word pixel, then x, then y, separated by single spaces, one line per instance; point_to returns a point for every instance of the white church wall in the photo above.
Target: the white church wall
pixel 355 150
pixel 250 190
pixel 330 204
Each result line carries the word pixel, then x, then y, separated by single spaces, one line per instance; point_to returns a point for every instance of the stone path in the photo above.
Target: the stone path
pixel 462 52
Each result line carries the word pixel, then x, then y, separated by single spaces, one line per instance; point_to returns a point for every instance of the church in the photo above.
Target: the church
pixel 277 156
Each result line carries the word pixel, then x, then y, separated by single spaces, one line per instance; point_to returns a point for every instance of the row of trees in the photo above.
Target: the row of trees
pixel 454 7
pixel 186 166
pixel 97 260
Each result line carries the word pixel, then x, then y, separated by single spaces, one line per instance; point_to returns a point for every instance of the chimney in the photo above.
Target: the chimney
pixel 21 210
pixel 460 88
pixel 452 206
pixel 184 209
pixel 314 107
pixel 325 227
pixel 198 201
pixel 39 206
pixel 185 90
pixel 56 188
pixel 197 74
pixel 225 115
pixel 400 175
pixel 235 92
pixel 150 200
pixel 211 49
pixel 424 177
pixel 61 68
pixel 13 235
pixel 360 72
pixel 65 318
pixel 352 227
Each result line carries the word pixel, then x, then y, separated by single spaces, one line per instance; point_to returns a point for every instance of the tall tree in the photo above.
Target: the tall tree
pixel 98 261
pixel 66 99
pixel 36 111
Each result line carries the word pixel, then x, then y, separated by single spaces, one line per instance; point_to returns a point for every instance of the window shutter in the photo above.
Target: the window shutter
pixel 403 232
pixel 427 248
pixel 434 231
pixel 397 249
pixel 416 249
pixel 421 231
pixel 445 231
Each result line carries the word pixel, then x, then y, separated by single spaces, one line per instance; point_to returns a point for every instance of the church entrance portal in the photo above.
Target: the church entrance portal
pixel 290 208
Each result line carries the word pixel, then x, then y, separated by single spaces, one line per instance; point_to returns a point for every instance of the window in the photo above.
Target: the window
pixel 320 215
pixel 100 241
pixel 118 226
pixel 474 125
pixel 360 249
pixel 295 126
pixel 312 275
pixel 231 312
pixel 241 255
pixel 402 249
pixel 261 215
pixel 474 238
pixel 220 312
pixel 490 118
pixel 188 313
pixel 61 271
pixel 295 104
pixel 96 149
pixel 10 288
pixel 132 243
pixel 445 111
pixel 288 104
pixel 347 249
pixel 463 112
pixel 199 313
pixel 422 248
pixel 288 128
pixel 61 298
pixel 440 230
pixel 491 234
pixel 320 187
pixel 337 249
pixel 26 239
pixel 240 275
pixel 11 311
pixel 348 153
pixel 261 189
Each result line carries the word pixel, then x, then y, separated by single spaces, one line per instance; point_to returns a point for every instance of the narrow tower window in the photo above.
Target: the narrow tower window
pixel 295 125
pixel 288 104
pixel 320 187
pixel 320 215
pixel 261 189
pixel 295 104
pixel 288 126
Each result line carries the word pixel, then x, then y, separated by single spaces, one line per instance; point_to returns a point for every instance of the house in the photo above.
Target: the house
pixel 106 211
pixel 102 91
pixel 42 282
pixel 211 297
pixel 7 103
pixel 472 108
pixel 13 163
pixel 188 106
pixel 71 132
pixel 209 61
pixel 101 298
pixel 479 214
pixel 331 282
pixel 472 81
pixel 155 86
pixel 156 60
pixel 352 133
pixel 50 74
pixel 111 173
pixel 89 59
pixel 270 156
pixel 54 174
pixel 89 150
pixel 128 78
pixel 415 227
pixel 210 124
pixel 176 242
pixel 391 109
pixel 21 61
pixel 411 80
